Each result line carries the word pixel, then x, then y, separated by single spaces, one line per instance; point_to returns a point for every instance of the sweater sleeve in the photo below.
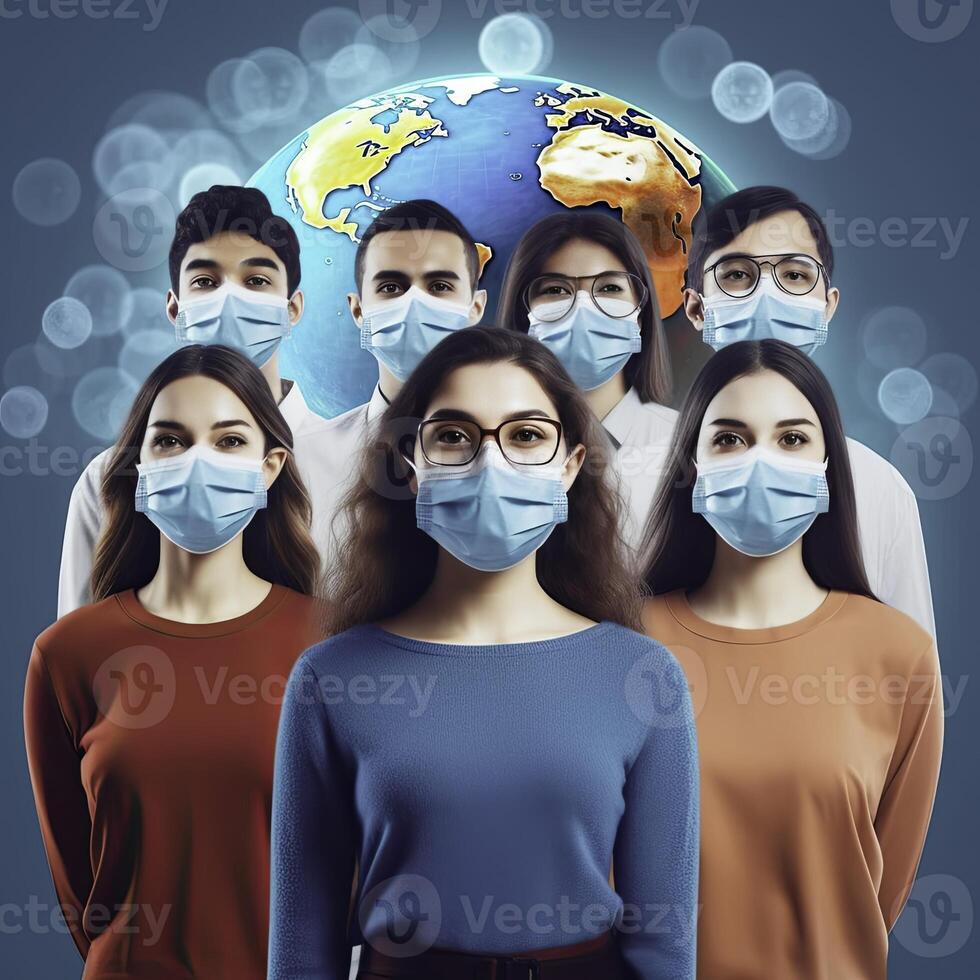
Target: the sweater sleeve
pixel 313 841
pixel 656 854
pixel 62 806
pixel 905 807
pixel 82 528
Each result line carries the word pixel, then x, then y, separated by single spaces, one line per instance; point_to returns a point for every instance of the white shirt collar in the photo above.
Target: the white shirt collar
pixel 620 418
pixel 293 406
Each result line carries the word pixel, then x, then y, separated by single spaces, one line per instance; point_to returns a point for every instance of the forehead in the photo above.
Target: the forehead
pixel 779 233
pixel 229 248
pixel 415 250
pixel 760 400
pixel 580 257
pixel 198 402
pixel 489 392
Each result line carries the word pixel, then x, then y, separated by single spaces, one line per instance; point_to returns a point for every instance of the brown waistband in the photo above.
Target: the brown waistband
pixel 596 957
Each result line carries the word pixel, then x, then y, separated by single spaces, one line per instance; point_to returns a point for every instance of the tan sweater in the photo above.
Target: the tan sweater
pixel 819 744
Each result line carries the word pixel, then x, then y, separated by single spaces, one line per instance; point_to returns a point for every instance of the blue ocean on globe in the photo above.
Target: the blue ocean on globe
pixel 501 153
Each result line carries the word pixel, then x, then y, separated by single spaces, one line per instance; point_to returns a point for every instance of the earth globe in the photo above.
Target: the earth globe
pixel 501 153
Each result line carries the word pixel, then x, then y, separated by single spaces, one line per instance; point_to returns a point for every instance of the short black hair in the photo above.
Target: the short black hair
pixel 420 214
pixel 733 214
pixel 228 207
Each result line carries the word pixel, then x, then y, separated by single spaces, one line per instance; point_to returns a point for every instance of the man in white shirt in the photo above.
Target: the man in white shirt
pixel 760 267
pixel 414 247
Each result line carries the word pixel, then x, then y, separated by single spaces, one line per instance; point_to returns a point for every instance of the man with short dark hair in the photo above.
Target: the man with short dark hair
pixel 761 266
pixel 234 280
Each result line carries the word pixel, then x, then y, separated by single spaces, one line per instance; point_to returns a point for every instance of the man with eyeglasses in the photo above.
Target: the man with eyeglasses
pixel 761 266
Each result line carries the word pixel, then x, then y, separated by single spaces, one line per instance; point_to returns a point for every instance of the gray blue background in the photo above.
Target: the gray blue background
pixel 910 157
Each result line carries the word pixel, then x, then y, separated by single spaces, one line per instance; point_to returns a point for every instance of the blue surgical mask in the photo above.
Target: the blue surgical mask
pixel 251 322
pixel 400 332
pixel 760 502
pixel 201 499
pixel 767 314
pixel 591 345
pixel 490 514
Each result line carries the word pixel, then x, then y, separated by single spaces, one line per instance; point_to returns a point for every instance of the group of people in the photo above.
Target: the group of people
pixel 512 671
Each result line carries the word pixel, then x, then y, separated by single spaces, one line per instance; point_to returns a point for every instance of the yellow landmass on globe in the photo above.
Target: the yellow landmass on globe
pixel 355 146
pixel 647 173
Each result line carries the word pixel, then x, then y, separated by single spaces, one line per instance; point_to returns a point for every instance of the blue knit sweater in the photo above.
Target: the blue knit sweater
pixel 483 792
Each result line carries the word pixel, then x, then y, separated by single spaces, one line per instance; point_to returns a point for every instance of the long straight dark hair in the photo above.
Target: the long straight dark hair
pixel 386 563
pixel 648 371
pixel 679 546
pixel 276 544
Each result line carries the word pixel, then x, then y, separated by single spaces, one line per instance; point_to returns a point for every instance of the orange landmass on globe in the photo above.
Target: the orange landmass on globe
pixel 632 161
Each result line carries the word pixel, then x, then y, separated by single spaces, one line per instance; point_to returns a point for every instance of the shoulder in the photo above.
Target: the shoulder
pixel 657 419
pixel 341 649
pixel 884 631
pixel 90 480
pixel 656 612
pixel 65 637
pixel 638 648
pixel 875 474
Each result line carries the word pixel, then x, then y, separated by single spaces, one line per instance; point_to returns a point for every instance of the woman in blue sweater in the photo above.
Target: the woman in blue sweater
pixel 484 743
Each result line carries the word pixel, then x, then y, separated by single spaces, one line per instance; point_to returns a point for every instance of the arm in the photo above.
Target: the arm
pixel 658 842
pixel 62 806
pixel 906 802
pixel 313 840
pixel 82 528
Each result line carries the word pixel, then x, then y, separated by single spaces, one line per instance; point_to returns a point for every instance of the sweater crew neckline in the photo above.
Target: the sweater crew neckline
pixel 135 610
pixel 525 648
pixel 681 610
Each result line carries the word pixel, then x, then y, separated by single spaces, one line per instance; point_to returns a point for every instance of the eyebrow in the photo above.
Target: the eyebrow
pixel 458 413
pixel 171 424
pixel 739 424
pixel 401 274
pixel 260 261
pixel 256 261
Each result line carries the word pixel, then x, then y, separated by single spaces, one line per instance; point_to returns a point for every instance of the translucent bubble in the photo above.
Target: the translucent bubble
pixel 58 364
pixel 689 60
pixel 134 228
pixel 144 350
pixel 868 378
pixel 270 84
pixel 222 97
pixel 831 141
pixel 512 44
pixel 143 174
pixel 799 111
pixel 67 322
pixel 101 401
pixel 954 375
pixel 402 55
pixel 22 367
pixel 905 395
pixel 23 412
pixel 149 312
pixel 205 146
pixel 787 75
pixel 106 293
pixel 168 113
pixel 742 92
pixel 203 176
pixel 356 70
pixel 326 32
pixel 893 337
pixel 124 146
pixel 46 192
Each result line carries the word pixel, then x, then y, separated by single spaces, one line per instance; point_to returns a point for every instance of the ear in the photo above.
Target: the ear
pixel 833 298
pixel 354 305
pixel 272 466
pixel 173 304
pixel 694 308
pixel 297 303
pixel 572 466
pixel 478 306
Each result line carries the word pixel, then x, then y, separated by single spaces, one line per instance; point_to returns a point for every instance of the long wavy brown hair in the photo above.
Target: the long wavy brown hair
pixel 277 545
pixel 386 563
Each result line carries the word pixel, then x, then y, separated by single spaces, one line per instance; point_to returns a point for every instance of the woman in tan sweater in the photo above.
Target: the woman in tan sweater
pixel 819 709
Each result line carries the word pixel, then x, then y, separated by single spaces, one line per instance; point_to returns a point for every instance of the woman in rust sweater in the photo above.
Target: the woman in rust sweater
pixel 819 709
pixel 150 715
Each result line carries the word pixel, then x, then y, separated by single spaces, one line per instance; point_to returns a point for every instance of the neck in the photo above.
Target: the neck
pixel 756 593
pixel 389 384
pixel 190 588
pixel 270 371
pixel 607 396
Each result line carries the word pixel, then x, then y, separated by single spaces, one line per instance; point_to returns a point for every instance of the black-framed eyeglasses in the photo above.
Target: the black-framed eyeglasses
pixel 617 294
pixel 456 442
pixel 793 273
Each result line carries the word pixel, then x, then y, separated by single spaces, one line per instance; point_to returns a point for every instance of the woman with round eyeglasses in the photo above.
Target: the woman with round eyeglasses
pixel 580 283
pixel 480 736
pixel 819 709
